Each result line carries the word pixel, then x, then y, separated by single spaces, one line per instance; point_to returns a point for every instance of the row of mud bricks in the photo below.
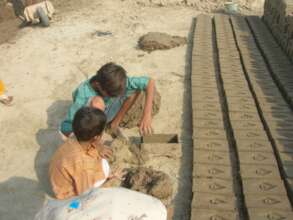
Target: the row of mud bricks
pixel 278 14
pixel 242 123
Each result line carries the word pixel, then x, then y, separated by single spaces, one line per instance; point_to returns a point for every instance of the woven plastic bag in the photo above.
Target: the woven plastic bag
pixel 105 204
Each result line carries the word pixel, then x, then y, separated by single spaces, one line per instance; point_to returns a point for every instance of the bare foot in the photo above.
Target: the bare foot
pixel 6 100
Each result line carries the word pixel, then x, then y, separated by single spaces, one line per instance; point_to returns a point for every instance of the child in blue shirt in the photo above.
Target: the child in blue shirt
pixel 112 91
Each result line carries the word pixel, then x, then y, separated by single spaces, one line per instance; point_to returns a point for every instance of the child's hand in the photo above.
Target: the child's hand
pixel 145 126
pixel 119 173
pixel 105 152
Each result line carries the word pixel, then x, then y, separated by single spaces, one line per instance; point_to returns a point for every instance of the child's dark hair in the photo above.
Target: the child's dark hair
pixel 88 122
pixel 112 79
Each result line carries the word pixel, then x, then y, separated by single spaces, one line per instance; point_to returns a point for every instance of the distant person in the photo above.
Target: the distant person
pixel 80 164
pixel 114 92
pixel 4 98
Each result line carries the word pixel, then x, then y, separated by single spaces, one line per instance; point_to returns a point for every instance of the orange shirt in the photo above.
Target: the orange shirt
pixel 74 169
pixel 2 87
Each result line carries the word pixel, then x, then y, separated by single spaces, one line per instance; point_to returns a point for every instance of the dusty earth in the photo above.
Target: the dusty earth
pixel 41 67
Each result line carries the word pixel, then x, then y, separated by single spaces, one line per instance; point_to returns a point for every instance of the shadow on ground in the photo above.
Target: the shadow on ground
pixel 183 198
pixel 21 198
pixel 49 139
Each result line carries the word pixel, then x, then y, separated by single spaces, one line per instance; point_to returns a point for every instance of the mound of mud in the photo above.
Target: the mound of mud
pixel 133 116
pixel 149 181
pixel 160 41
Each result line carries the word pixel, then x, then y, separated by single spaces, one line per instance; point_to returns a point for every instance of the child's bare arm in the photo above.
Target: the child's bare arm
pixel 145 126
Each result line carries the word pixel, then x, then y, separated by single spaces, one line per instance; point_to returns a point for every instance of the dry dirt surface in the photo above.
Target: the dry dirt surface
pixel 42 66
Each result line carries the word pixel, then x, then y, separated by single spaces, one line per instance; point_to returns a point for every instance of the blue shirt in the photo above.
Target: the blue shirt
pixel 85 92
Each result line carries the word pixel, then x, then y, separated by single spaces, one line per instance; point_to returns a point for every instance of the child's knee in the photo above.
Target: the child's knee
pixel 98 102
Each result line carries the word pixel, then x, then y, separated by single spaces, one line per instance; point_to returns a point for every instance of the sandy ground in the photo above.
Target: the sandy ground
pixel 41 67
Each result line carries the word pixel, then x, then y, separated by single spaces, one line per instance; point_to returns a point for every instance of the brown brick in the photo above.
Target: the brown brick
pixel 204 98
pixel 288 170
pixel 206 115
pixel 263 186
pixel 207 106
pixel 213 201
pixel 286 158
pixel 282 134
pixel 201 123
pixel 211 157
pixel 247 125
pixel 212 171
pixel 259 158
pixel 254 145
pixel 250 134
pixel 211 144
pixel 268 202
pixel 285 146
pixel 212 185
pixel 209 133
pixel 259 171
pixel 237 116
pixel 208 214
pixel 233 107
pixel 268 214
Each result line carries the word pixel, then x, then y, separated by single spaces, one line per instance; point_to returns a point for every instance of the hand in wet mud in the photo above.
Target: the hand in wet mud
pixel 106 152
pixel 145 126
pixel 118 173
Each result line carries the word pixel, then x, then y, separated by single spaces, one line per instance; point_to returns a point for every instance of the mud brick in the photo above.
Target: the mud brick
pixel 268 202
pixel 209 133
pixel 210 91
pixel 264 187
pixel 275 125
pixel 228 77
pixel 212 171
pixel 204 98
pixel 236 87
pixel 278 116
pixel 212 145
pixel 233 107
pixel 197 84
pixel 288 170
pixel 207 106
pixel 259 171
pixel 211 157
pixel 208 214
pixel 237 116
pixel 285 146
pixel 203 78
pixel 269 214
pixel 259 158
pixel 274 108
pixel 213 201
pixel 254 145
pixel 250 134
pixel 207 115
pixel 282 134
pixel 240 101
pixel 214 185
pixel 247 125
pixel 272 101
pixel 243 93
pixel 286 158
pixel 201 123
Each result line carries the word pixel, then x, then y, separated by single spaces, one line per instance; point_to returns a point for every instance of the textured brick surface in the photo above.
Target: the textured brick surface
pixel 213 201
pixel 212 185
pixel 212 171
pixel 264 186
pixel 208 214
pixel 260 214
pixel 211 144
pixel 254 145
pixel 212 157
pixel 268 202
pixel 259 158
pixel 259 171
